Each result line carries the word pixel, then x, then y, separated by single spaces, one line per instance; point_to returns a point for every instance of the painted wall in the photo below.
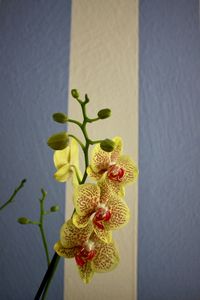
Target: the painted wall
pixel 169 189
pixel 34 51
pixel 107 70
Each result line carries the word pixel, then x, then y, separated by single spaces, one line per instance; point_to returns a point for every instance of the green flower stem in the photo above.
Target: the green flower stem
pixel 41 225
pixel 57 259
pixel 80 143
pixel 95 142
pixel 77 175
pixel 54 262
pixel 93 120
pixel 74 121
pixel 13 195
pixel 47 277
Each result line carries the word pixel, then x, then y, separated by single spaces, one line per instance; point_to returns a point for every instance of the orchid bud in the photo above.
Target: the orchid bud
pixel 60 117
pixel 58 141
pixel 75 93
pixel 23 220
pixel 104 113
pixel 55 208
pixel 107 145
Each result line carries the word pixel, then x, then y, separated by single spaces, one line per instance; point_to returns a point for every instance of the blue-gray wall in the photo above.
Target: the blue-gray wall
pixel 169 187
pixel 34 54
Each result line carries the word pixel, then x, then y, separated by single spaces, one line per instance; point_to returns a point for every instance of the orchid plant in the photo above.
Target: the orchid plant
pixel 98 197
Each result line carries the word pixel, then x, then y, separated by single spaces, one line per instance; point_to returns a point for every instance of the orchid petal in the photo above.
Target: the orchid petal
pixel 71 236
pixel 86 272
pixel 80 221
pixel 106 258
pixel 131 170
pixel 92 174
pixel 120 213
pixel 100 159
pixel 62 251
pixel 115 154
pixel 86 198
pixel 61 157
pixel 103 234
pixel 63 173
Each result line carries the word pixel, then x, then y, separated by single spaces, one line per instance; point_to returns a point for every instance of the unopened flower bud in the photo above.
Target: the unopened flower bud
pixel 58 141
pixel 60 117
pixel 104 113
pixel 23 220
pixel 107 145
pixel 75 93
pixel 55 208
pixel 86 98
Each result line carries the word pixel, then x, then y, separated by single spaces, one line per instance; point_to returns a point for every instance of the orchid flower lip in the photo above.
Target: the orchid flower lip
pixel 86 253
pixel 89 245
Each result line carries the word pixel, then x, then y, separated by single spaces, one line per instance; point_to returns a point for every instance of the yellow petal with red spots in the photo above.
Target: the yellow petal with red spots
pixel 109 187
pixel 115 154
pixel 86 272
pixel 100 159
pixel 120 213
pixel 103 234
pixel 71 236
pixel 106 258
pixel 86 198
pixel 95 175
pixel 62 251
pixel 131 170
pixel 79 221
pixel 61 157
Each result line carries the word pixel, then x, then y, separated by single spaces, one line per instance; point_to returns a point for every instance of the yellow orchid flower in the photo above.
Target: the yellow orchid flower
pixel 112 169
pixel 106 210
pixel 90 253
pixel 66 162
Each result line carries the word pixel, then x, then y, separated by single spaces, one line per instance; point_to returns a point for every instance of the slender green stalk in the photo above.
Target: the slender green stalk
pixel 13 194
pixel 41 225
pixel 49 273
pixel 80 143
pixel 51 277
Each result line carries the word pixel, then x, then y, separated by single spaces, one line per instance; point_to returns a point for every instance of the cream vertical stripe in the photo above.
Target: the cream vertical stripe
pixel 104 63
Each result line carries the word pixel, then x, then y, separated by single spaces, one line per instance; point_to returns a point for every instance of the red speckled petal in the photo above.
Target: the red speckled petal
pixel 86 272
pixel 71 236
pixel 131 170
pixel 80 221
pixel 115 154
pixel 94 175
pixel 107 256
pixel 100 159
pixel 65 252
pixel 103 234
pixel 86 198
pixel 120 213
pixel 109 187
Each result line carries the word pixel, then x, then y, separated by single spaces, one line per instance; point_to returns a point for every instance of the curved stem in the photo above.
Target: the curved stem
pixel 77 175
pixel 74 121
pixel 95 142
pixel 49 273
pixel 93 120
pixel 41 227
pixel 13 194
pixel 80 143
pixel 51 277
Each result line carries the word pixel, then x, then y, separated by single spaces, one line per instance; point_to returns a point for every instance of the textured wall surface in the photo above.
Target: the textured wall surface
pixel 104 64
pixel 169 189
pixel 34 50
